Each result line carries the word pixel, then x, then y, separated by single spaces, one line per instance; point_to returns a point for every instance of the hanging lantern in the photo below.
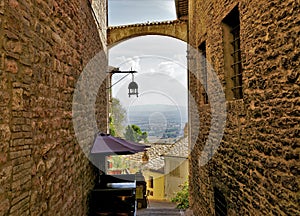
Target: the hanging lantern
pixel 133 88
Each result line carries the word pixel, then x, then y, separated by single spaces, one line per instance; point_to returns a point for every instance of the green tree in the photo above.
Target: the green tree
pixel 119 162
pixel 117 118
pixel 134 133
pixel 112 129
pixel 182 197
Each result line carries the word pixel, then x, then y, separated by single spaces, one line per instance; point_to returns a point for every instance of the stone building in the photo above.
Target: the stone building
pixel 253 47
pixel 44 47
pixel 176 168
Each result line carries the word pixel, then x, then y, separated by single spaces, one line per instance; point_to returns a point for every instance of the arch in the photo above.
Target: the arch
pixel 176 29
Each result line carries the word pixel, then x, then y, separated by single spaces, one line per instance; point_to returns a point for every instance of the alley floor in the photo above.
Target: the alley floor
pixel 159 208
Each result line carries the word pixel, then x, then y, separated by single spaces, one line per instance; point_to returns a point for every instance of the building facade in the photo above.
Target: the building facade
pixel 253 47
pixel 44 47
pixel 176 167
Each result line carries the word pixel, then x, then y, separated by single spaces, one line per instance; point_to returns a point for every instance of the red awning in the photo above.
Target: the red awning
pixel 107 144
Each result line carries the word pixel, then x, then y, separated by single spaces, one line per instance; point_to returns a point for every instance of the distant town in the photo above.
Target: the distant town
pixel 163 123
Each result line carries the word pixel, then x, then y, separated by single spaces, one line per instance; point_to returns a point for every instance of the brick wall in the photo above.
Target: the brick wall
pixel 256 167
pixel 44 46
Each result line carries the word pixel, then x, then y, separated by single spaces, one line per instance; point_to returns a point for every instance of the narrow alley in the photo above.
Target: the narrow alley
pixel 206 107
pixel 159 208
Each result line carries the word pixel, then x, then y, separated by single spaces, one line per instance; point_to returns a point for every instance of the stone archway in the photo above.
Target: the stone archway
pixel 176 29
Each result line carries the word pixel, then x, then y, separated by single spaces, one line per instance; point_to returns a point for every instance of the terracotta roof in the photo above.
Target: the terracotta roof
pixel 157 152
pixel 156 164
pixel 179 149
pixel 156 161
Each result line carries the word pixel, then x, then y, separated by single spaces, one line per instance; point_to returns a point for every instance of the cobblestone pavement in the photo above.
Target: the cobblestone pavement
pixel 158 208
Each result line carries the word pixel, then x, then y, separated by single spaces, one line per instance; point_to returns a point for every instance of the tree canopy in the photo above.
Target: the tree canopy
pixel 134 133
pixel 117 118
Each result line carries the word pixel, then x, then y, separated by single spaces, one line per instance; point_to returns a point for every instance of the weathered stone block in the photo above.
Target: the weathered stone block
pixel 4 206
pixel 12 46
pixel 5 133
pixel 11 66
pixel 5 175
pixel 4 98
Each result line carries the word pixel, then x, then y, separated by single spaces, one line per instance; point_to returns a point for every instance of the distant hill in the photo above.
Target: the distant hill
pixel 159 120
pixel 162 108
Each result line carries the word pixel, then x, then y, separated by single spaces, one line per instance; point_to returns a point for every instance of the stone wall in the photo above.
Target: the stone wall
pixel 44 46
pixel 256 166
pixel 100 12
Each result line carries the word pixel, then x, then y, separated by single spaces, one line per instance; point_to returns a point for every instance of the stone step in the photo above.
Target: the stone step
pixel 159 211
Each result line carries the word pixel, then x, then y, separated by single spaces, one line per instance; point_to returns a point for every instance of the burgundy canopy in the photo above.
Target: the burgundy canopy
pixel 107 144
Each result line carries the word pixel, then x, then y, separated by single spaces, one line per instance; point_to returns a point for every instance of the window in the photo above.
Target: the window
pixel 232 55
pixel 203 71
pixel 151 182
pixel 220 203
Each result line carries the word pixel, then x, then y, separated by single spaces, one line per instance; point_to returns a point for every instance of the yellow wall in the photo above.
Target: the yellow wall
pixel 166 185
pixel 173 182
pixel 158 189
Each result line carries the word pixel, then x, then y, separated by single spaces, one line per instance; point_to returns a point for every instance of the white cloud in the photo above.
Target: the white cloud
pixel 126 63
pixel 133 63
pixel 168 68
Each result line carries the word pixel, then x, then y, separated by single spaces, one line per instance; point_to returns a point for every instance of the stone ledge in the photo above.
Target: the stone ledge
pixel 147 24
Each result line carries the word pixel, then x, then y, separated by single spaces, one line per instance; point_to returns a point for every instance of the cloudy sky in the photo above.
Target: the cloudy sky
pixel 159 60
pixel 122 12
